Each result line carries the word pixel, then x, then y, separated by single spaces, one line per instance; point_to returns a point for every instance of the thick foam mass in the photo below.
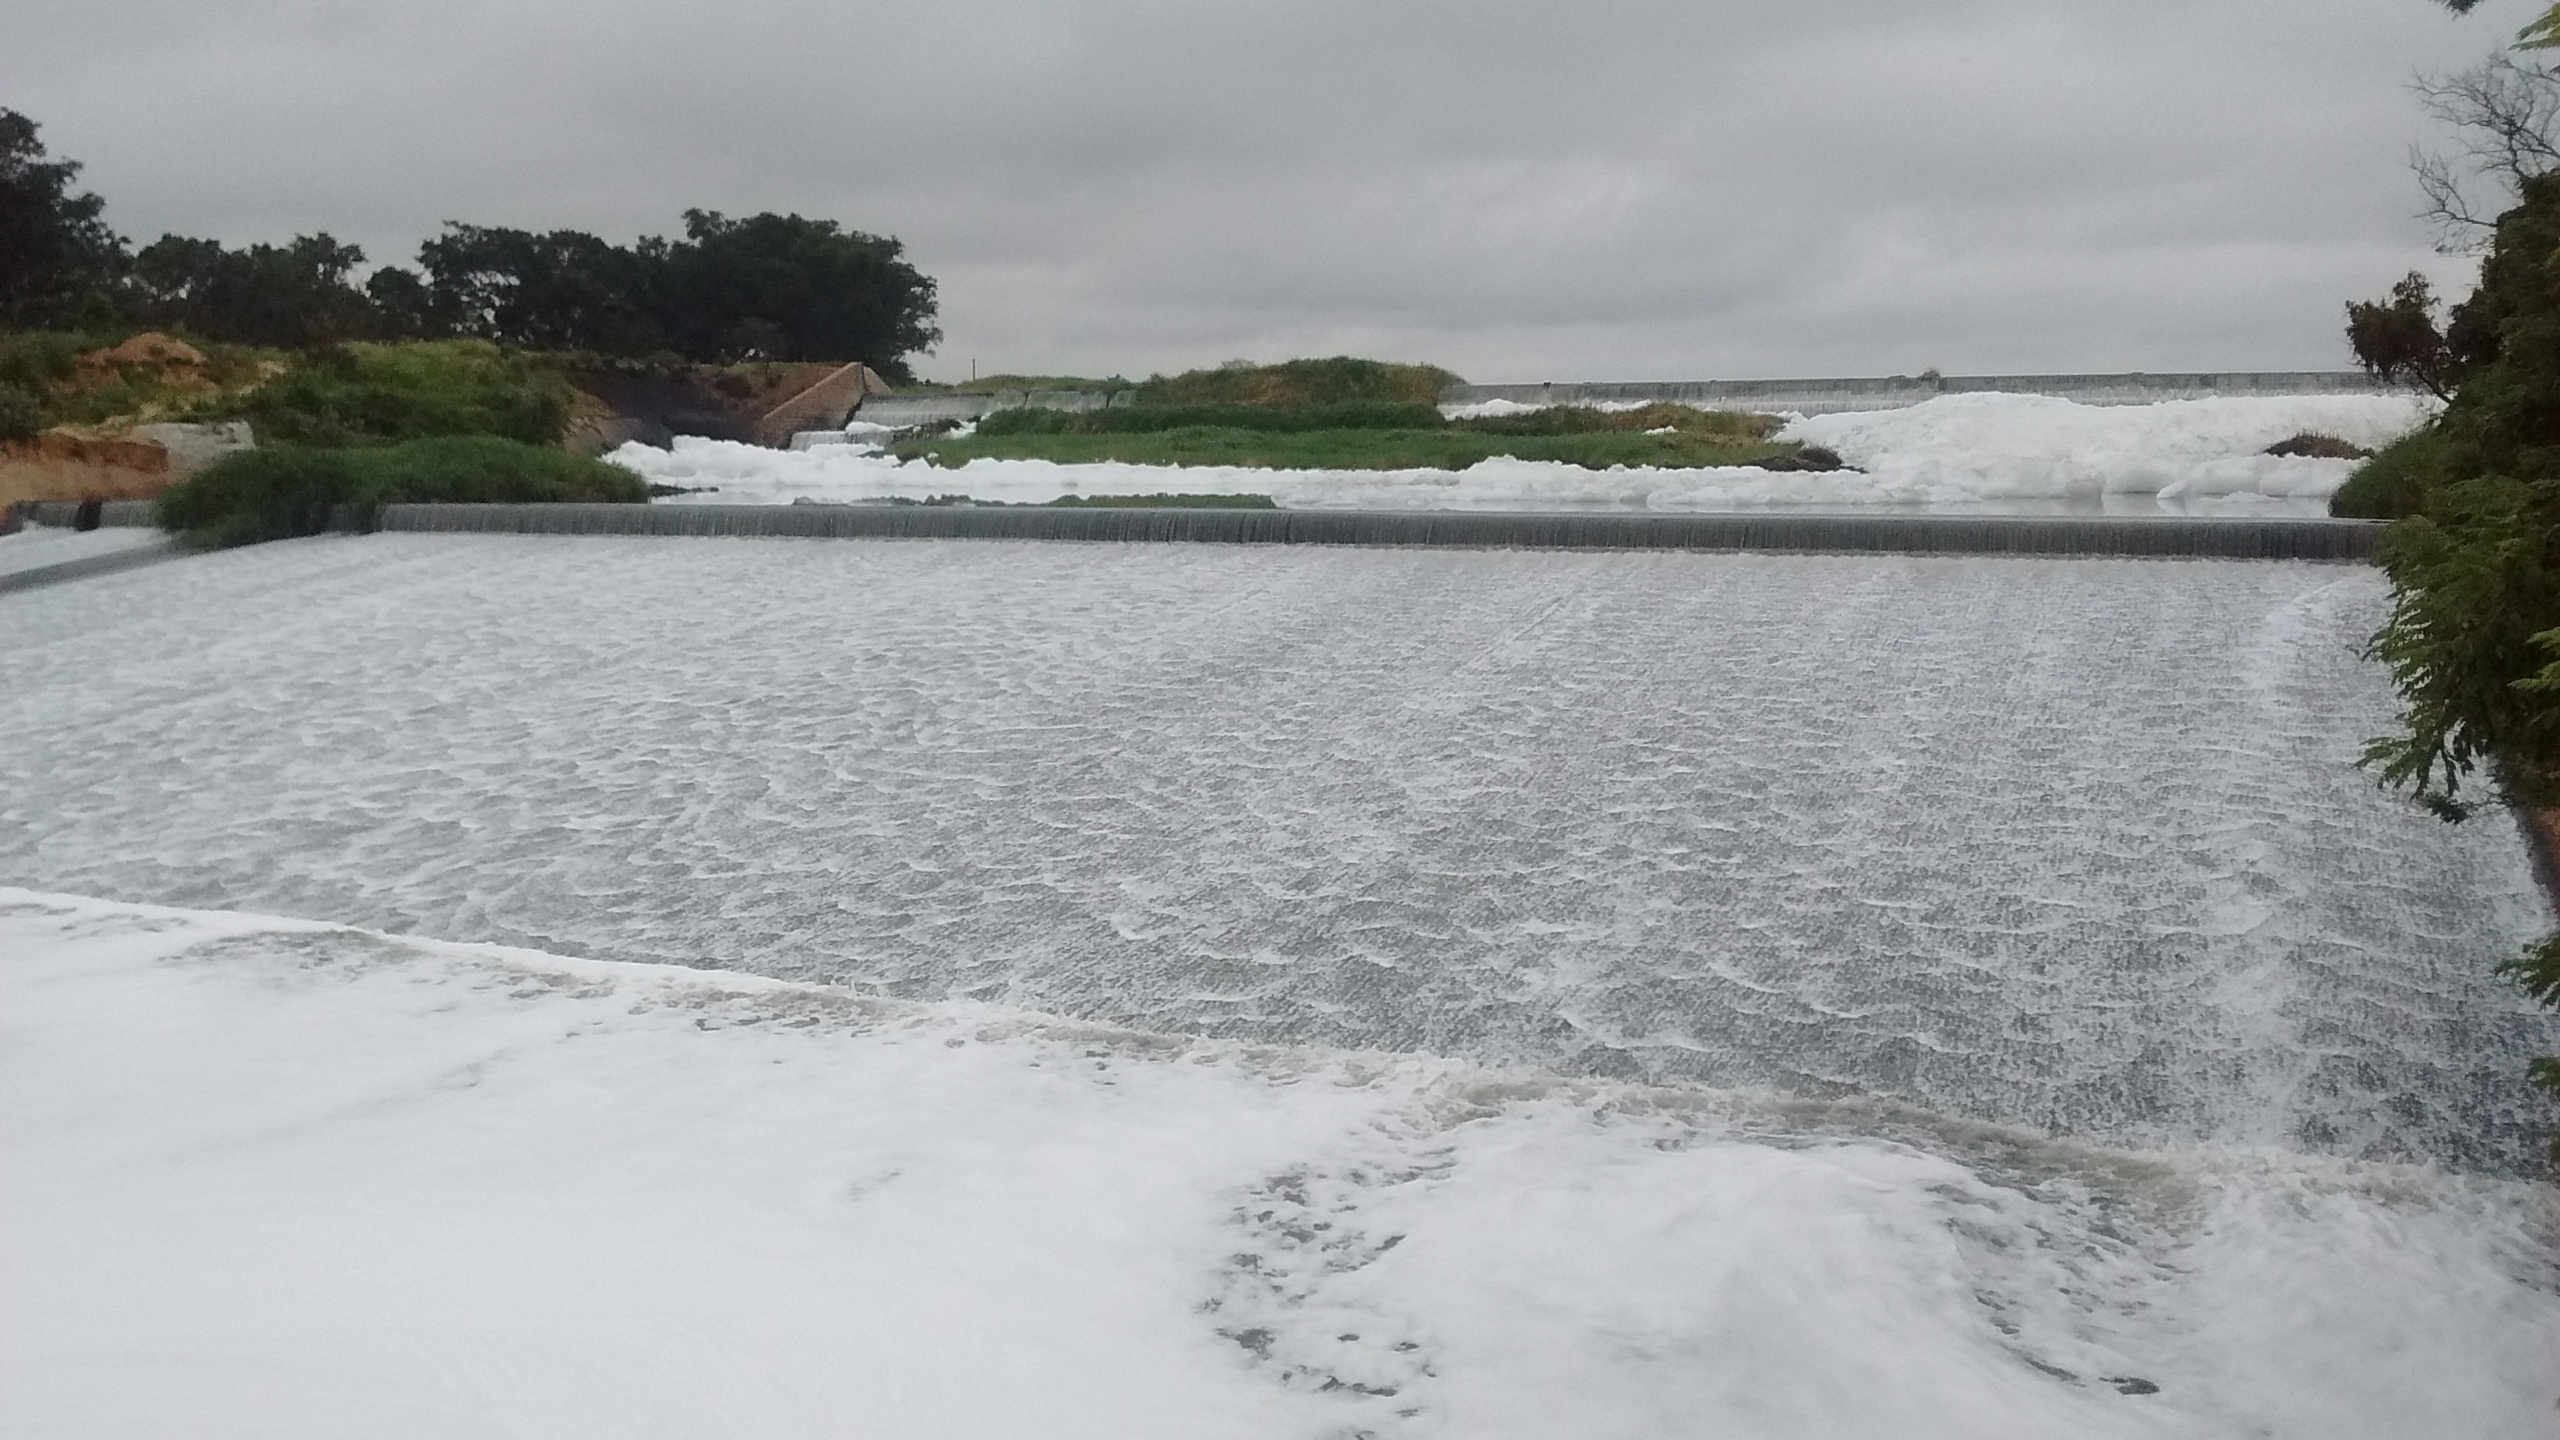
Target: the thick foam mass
pixel 1958 452
pixel 2077 845
pixel 284 1180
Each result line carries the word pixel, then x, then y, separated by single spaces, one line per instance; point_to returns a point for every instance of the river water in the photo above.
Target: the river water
pixel 2057 871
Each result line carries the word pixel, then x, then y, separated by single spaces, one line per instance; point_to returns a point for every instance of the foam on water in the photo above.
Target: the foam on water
pixel 1972 452
pixel 38 546
pixel 2075 845
pixel 275 1179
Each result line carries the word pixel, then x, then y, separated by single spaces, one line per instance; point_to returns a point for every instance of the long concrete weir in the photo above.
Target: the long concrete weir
pixel 2229 538
pixel 2170 536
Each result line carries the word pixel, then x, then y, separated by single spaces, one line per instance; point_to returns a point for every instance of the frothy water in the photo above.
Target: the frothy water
pixel 487 1192
pixel 2074 845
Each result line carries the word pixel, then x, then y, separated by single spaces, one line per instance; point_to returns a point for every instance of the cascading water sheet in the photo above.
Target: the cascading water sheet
pixel 2077 845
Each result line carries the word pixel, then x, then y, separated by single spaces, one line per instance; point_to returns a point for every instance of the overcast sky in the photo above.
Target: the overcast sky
pixel 1614 189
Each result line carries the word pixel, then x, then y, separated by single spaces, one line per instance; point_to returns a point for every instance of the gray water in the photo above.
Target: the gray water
pixel 2075 844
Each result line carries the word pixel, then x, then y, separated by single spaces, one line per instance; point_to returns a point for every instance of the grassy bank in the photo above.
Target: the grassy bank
pixel 1362 434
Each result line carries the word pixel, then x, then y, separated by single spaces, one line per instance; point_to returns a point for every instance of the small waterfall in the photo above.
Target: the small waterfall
pixel 2166 536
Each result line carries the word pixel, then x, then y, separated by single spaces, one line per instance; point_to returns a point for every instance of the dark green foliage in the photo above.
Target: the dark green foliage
pixel 276 492
pixel 59 263
pixel 1148 419
pixel 2397 480
pixel 768 287
pixel 2311 444
pixel 780 287
pixel 405 306
pixel 35 359
pixel 21 412
pixel 566 290
pixel 2474 586
pixel 373 394
pixel 2398 341
pixel 2472 560
pixel 1301 382
pixel 2538 971
pixel 296 296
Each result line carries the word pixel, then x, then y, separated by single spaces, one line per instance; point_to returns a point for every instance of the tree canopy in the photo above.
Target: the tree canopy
pixel 762 287
pixel 767 287
pixel 59 263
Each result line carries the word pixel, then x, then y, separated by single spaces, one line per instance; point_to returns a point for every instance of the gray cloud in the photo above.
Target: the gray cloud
pixel 1617 189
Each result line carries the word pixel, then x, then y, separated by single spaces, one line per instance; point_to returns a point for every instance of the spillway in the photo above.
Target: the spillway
pixel 2075 845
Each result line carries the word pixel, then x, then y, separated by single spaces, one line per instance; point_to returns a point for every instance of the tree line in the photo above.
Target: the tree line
pixel 765 287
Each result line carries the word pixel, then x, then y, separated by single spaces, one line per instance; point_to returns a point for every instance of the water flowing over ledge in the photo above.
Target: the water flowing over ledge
pixel 2234 539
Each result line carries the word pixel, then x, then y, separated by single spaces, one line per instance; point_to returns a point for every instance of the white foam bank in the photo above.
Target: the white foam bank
pixel 1957 451
pixel 276 1179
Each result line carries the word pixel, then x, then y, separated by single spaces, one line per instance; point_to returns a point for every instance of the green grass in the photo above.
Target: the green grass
pixel 1360 435
pixel 45 365
pixel 275 492
pixel 382 394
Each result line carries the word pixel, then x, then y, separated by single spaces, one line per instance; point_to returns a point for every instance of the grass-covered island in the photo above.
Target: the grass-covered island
pixel 1351 414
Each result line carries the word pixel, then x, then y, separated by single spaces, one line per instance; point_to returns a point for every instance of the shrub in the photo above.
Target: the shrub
pixel 376 394
pixel 21 412
pixel 2397 481
pixel 36 359
pixel 279 491
pixel 2311 444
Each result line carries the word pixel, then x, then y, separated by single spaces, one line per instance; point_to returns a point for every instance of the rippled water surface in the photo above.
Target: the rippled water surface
pixel 2071 843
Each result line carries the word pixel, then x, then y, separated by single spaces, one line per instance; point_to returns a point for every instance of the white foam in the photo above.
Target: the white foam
pixel 2075 844
pixel 1982 451
pixel 38 546
pixel 274 1179
pixel 1985 446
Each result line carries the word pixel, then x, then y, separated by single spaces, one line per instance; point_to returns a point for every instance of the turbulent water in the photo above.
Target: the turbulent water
pixel 2071 844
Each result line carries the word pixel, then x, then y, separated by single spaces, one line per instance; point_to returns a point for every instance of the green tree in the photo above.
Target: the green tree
pixel 60 265
pixel 565 290
pixel 781 287
pixel 769 287
pixel 2473 638
pixel 301 295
